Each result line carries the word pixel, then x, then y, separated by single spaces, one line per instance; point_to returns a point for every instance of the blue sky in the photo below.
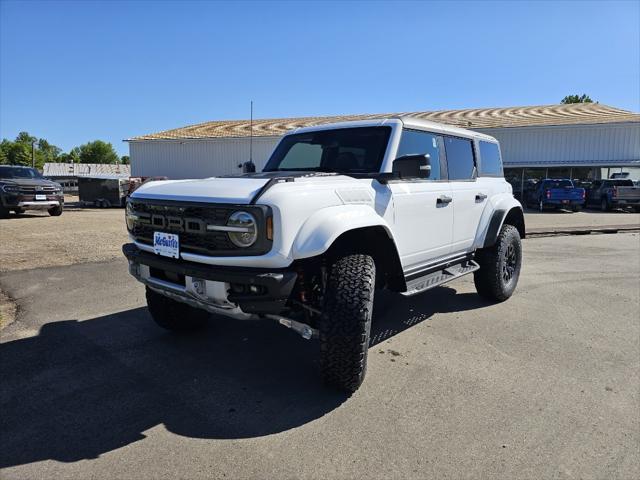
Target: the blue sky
pixel 78 71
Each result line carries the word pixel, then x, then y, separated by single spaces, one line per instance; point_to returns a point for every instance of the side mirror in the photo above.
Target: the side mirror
pixel 412 166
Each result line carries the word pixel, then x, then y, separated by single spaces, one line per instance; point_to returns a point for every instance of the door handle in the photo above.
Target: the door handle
pixel 480 197
pixel 444 200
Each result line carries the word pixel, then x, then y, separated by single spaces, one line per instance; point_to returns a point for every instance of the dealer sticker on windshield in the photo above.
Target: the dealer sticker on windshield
pixel 166 244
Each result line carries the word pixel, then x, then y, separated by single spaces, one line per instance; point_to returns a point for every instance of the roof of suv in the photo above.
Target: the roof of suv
pixel 405 121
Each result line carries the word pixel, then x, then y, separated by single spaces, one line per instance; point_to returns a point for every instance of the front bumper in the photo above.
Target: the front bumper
pixel 29 202
pixel 232 291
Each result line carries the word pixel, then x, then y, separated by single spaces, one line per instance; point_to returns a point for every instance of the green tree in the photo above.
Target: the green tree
pixel 47 152
pixel 584 98
pixel 124 159
pixel 72 157
pixel 98 152
pixel 17 152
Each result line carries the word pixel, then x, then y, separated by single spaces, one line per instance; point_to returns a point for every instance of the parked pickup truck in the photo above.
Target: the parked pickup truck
pixel 614 193
pixel 556 193
pixel 338 212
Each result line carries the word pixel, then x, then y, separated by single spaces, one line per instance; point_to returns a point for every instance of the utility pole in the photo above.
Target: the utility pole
pixel 33 153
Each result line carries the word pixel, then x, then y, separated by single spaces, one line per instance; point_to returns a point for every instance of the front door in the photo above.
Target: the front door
pixel 423 212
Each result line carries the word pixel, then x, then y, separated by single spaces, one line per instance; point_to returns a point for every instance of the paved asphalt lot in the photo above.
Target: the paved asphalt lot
pixel 545 385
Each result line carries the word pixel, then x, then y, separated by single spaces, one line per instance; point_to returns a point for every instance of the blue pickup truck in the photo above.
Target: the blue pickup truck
pixel 555 193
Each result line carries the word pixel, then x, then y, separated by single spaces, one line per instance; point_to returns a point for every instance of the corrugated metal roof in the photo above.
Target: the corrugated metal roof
pixel 572 114
pixel 85 169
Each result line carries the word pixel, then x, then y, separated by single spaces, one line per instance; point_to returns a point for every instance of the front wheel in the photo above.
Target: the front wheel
pixel 172 315
pixel 499 266
pixel 55 211
pixel 345 323
pixel 4 212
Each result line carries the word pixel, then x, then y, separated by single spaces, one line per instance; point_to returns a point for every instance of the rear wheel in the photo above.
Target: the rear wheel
pixel 604 205
pixel 172 315
pixel 345 323
pixel 576 208
pixel 541 206
pixel 55 211
pixel 499 266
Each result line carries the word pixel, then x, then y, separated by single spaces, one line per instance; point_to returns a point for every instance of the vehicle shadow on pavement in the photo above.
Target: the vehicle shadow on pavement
pixel 81 389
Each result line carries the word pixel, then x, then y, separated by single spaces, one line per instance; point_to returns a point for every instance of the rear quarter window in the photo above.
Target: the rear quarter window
pixel 490 161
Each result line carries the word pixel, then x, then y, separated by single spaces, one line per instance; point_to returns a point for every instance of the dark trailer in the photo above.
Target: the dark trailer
pixel 103 190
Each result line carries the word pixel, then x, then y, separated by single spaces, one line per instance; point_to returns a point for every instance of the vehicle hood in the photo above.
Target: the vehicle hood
pixel 239 189
pixel 207 190
pixel 29 182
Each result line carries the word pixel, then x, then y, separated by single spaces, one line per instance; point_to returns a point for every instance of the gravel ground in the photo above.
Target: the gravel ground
pixel 587 218
pixel 80 235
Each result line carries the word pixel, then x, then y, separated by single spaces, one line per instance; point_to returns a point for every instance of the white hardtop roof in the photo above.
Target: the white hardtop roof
pixel 403 121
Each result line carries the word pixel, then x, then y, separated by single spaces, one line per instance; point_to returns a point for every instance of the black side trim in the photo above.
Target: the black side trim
pixel 433 267
pixel 494 227
pixel 268 185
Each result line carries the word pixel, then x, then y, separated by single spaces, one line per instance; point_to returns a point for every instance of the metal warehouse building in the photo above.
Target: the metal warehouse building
pixel 583 141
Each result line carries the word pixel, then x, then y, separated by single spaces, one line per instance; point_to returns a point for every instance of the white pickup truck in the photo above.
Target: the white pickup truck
pixel 339 211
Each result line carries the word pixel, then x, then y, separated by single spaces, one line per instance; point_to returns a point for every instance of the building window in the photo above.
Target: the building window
pixel 460 163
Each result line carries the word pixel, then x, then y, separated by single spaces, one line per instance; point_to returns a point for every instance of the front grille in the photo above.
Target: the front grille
pixel 189 221
pixel 30 190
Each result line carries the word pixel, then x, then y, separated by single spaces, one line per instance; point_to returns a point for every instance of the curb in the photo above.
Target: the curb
pixel 540 232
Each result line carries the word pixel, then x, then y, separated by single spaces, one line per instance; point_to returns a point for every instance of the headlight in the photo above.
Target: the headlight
pixel 129 216
pixel 243 229
pixel 10 188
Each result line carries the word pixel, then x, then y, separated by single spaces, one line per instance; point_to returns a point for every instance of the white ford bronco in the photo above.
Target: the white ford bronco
pixel 339 211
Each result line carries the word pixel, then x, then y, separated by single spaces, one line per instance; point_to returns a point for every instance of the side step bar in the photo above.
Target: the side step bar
pixel 438 277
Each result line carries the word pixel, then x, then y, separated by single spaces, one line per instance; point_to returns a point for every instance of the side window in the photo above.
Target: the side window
pixel 417 142
pixel 490 163
pixel 460 164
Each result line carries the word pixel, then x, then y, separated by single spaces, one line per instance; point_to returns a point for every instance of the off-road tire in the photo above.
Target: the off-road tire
pixel 56 211
pixel 345 323
pixel 4 212
pixel 490 280
pixel 172 315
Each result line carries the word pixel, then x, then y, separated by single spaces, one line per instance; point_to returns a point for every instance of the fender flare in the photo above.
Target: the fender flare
pixel 321 229
pixel 503 208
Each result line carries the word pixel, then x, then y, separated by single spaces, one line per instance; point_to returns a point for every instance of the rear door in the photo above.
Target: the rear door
pixel 423 214
pixel 470 194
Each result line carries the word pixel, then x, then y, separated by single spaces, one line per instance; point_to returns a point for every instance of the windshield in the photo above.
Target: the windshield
pixel 558 184
pixel 345 150
pixel 18 172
